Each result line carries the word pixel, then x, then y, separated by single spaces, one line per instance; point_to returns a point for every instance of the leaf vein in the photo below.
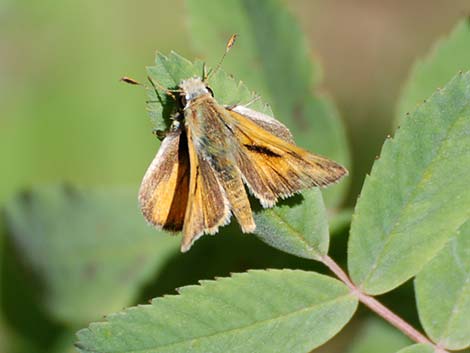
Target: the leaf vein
pixel 258 323
pixel 408 202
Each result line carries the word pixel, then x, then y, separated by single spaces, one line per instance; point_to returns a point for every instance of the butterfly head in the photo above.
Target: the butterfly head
pixel 193 87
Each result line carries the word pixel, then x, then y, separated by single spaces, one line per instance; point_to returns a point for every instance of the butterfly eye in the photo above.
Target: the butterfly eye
pixel 182 100
pixel 210 91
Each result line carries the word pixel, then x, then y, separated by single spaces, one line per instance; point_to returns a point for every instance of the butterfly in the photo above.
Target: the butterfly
pixel 197 179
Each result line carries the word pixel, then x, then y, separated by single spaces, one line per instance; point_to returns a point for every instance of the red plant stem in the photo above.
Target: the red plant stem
pixel 378 307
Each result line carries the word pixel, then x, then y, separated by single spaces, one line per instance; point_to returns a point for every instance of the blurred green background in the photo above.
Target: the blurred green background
pixel 66 117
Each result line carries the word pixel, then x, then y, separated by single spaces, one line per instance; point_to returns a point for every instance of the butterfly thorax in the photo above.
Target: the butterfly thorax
pixel 193 88
pixel 207 124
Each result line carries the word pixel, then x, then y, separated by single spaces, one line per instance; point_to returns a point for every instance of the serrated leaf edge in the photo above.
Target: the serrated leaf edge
pixel 370 178
pixel 201 285
pixel 420 62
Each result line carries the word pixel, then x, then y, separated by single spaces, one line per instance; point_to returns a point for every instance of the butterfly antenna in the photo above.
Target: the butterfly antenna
pixel 130 81
pixel 169 92
pixel 229 45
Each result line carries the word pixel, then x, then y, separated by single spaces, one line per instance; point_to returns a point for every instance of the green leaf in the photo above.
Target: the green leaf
pixel 449 56
pixel 378 336
pixel 170 70
pixel 417 194
pixel 295 228
pixel 272 57
pixel 91 248
pixel 297 225
pixel 259 311
pixel 417 348
pixel 443 293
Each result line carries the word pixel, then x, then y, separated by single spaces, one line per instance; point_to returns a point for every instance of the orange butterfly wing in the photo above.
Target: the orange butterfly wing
pixel 163 194
pixel 208 207
pixel 274 168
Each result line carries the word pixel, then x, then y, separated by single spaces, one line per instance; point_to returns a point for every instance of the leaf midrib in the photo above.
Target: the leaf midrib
pixel 316 254
pixel 407 204
pixel 257 323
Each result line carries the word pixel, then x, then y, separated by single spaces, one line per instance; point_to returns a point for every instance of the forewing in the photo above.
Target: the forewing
pixel 163 194
pixel 275 168
pixel 208 207
pixel 266 122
